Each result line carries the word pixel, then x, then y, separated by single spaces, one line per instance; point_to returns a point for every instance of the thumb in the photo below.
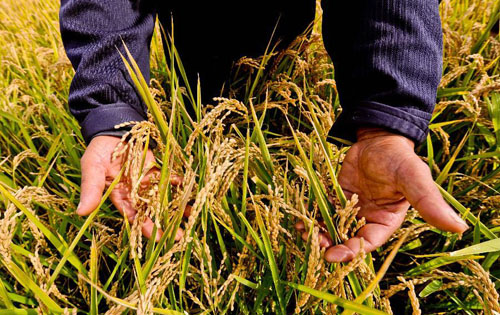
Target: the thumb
pixel 415 182
pixel 92 187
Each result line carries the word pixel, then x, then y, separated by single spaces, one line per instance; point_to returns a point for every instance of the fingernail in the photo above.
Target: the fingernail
pixel 459 220
pixel 325 241
pixel 337 256
pixel 465 225
pixel 78 208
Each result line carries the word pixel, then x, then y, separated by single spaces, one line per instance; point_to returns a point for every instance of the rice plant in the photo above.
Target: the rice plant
pixel 252 164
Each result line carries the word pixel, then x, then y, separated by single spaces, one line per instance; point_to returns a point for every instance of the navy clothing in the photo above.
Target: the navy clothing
pixel 387 54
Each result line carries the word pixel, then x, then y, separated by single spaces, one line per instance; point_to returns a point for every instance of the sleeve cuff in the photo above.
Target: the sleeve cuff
pixel 409 122
pixel 105 118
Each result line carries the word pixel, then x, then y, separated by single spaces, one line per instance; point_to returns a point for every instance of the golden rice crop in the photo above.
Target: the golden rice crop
pixel 246 182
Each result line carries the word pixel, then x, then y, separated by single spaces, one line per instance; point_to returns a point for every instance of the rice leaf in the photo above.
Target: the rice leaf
pixel 346 304
pixel 270 257
pixel 438 262
pixel 58 243
pixel 316 187
pixel 481 248
pixel 327 153
pixel 380 274
pixel 246 282
pixel 432 287
pixel 4 296
pixel 29 284
pixel 18 311
pixel 93 277
pixel 125 303
pixel 69 251
pixel 143 89
pixel 262 141
pixel 467 215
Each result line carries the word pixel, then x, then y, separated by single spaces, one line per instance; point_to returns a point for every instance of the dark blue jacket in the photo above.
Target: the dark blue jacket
pixel 387 55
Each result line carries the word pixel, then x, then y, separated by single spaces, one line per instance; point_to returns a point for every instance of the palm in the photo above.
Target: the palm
pixel 98 171
pixel 368 172
pixel 386 174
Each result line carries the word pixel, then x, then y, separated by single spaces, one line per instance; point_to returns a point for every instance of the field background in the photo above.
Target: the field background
pixel 247 180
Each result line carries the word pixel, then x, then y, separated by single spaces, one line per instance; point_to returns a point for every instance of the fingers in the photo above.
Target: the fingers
pixel 121 199
pixel 153 171
pixel 374 235
pixel 187 211
pixel 381 224
pixel 179 234
pixel 176 180
pixel 147 229
pixel 120 196
pixel 324 238
pixel 92 186
pixel 415 180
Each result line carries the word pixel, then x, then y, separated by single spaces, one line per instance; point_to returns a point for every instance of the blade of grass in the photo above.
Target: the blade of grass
pixel 262 141
pixel 270 257
pixel 29 284
pixel 57 241
pixel 69 251
pixel 327 153
pixel 316 188
pixel 93 277
pixel 18 311
pixel 246 282
pixel 444 173
pixel 466 213
pixel 4 296
pixel 438 262
pixel 380 274
pixel 346 304
pixel 125 303
pixel 481 248
pixel 143 89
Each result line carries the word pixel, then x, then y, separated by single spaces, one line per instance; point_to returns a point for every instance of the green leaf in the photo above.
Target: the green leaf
pixel 262 141
pixel 246 282
pixel 353 306
pixel 18 311
pixel 465 212
pixel 29 284
pixel 380 274
pixel 143 89
pixel 484 247
pixel 4 296
pixel 270 257
pixel 69 251
pixel 316 187
pixel 432 287
pixel 93 277
pixel 57 241
pixel 438 262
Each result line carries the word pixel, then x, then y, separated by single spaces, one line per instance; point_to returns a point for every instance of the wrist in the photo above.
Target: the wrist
pixel 365 133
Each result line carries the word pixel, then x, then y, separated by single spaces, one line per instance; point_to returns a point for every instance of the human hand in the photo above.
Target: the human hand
pixel 98 171
pixel 384 171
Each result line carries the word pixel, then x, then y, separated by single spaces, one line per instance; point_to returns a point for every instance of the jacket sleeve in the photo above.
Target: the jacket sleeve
pixel 387 56
pixel 102 94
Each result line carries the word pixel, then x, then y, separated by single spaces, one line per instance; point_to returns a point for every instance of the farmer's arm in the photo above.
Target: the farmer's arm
pixel 387 58
pixel 101 94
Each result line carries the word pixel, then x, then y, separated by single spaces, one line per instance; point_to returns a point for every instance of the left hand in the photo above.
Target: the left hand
pixel 384 171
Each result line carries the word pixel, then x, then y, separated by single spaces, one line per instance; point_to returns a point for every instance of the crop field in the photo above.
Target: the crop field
pixel 253 164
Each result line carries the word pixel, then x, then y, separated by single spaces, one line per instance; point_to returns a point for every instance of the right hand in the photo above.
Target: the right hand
pixel 98 171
